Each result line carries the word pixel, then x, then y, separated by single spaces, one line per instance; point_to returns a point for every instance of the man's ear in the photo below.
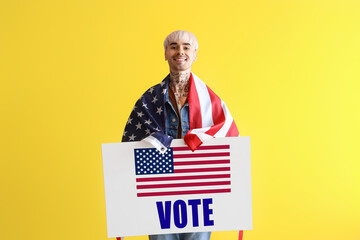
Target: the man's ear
pixel 165 56
pixel 195 56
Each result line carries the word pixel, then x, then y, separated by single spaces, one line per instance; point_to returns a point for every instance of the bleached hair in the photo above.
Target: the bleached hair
pixel 181 35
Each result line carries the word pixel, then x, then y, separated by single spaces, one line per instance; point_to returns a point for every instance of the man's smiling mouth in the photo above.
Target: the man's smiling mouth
pixel 180 59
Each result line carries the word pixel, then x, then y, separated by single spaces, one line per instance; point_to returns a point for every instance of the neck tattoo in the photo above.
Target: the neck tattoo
pixel 180 84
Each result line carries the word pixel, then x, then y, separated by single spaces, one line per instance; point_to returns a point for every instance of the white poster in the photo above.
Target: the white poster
pixel 147 192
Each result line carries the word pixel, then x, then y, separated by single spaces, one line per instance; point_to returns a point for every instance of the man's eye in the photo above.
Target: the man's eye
pixel 186 48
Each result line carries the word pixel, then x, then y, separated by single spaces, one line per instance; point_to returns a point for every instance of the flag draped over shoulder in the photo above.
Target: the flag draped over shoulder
pixel 208 115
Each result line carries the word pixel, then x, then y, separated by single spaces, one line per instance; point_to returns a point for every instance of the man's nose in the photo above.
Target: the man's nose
pixel 181 51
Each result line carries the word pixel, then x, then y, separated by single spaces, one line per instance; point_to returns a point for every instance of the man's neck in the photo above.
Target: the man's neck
pixel 179 83
pixel 179 86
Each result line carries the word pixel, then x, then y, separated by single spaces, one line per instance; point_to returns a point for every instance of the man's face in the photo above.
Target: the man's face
pixel 180 56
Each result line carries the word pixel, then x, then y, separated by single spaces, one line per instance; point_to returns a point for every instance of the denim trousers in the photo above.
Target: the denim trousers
pixel 182 236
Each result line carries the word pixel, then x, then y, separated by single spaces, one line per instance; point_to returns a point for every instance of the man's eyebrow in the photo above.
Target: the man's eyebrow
pixel 174 43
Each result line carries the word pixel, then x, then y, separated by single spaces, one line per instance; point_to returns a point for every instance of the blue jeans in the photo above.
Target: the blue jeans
pixel 182 236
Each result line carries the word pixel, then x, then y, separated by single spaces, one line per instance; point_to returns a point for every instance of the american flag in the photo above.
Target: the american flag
pixel 208 116
pixel 179 171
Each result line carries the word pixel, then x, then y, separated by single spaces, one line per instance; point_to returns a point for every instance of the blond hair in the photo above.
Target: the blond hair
pixel 181 35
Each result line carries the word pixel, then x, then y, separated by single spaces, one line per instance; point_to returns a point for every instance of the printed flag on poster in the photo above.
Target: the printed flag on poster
pixel 179 171
pixel 148 192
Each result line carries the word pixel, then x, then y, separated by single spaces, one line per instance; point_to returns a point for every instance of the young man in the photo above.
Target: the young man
pixel 181 106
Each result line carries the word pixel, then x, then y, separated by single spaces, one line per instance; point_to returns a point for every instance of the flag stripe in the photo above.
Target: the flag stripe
pixel 207 191
pixel 176 178
pixel 205 103
pixel 194 106
pixel 195 155
pixel 233 131
pixel 213 147
pixel 202 170
pixel 217 113
pixel 227 124
pixel 192 184
pixel 201 162
pixel 217 110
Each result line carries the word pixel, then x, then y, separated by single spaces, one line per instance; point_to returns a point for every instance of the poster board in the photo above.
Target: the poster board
pixel 147 192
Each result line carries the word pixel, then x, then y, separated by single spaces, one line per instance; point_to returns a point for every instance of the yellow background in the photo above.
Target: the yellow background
pixel 71 71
